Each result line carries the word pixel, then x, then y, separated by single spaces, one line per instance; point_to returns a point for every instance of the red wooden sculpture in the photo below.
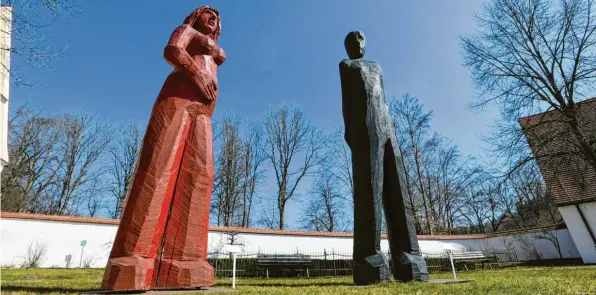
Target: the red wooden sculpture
pixel 162 237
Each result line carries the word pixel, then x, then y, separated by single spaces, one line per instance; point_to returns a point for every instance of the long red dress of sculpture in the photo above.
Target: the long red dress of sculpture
pixel 162 237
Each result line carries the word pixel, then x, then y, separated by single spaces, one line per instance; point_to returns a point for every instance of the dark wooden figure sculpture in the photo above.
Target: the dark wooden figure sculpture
pixel 162 237
pixel 379 177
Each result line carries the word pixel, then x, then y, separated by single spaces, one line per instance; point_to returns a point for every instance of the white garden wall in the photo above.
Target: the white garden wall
pixel 63 238
pixel 535 245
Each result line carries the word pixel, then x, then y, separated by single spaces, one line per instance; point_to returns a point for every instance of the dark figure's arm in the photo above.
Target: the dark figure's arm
pixel 346 103
pixel 176 54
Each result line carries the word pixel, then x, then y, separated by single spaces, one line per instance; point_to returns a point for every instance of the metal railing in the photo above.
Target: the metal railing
pixel 333 263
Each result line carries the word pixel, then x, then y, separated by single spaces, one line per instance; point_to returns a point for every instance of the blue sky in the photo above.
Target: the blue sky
pixel 278 51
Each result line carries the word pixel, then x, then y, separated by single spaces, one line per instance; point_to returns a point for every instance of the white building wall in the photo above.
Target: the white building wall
pixel 580 234
pixel 5 42
pixel 63 238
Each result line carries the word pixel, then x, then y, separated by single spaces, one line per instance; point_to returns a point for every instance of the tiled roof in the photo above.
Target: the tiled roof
pixel 569 177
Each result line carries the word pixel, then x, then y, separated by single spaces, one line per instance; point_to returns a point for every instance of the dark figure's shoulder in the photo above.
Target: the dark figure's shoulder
pixel 358 64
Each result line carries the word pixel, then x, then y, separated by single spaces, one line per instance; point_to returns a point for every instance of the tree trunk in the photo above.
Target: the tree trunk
pixel 421 184
pixel 281 216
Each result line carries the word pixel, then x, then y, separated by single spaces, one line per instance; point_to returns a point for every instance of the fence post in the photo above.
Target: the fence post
pixel 325 261
pixel 216 264
pixel 452 265
pixel 234 271
pixel 334 268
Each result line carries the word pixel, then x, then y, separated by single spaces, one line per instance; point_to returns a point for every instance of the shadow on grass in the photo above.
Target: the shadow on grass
pixel 553 262
pixel 281 284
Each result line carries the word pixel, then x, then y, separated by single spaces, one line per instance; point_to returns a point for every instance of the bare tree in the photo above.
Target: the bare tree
pixel 294 148
pixel 229 173
pixel 123 154
pixel 340 158
pixel 83 140
pixel 531 56
pixel 94 197
pixel 324 210
pixel 496 214
pixel 452 177
pixel 475 210
pixel 437 175
pixel 30 49
pixel 52 168
pixel 33 166
pixel 482 205
pixel 528 247
pixel 268 216
pixel 252 170
pixel 490 189
pixel 234 238
pixel 417 142
pixel 239 171
pixel 551 236
pixel 524 201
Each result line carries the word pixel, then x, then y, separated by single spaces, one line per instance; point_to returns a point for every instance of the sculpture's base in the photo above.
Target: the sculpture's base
pixel 373 270
pixel 164 291
pixel 185 274
pixel 128 273
pixel 135 274
pixel 411 267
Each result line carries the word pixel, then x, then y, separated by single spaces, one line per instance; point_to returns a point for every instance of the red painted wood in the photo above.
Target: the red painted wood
pixel 162 237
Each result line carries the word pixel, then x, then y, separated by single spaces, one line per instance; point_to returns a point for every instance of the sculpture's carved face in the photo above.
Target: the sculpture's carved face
pixel 355 44
pixel 207 22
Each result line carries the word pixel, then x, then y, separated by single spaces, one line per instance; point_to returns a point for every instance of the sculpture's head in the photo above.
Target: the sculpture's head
pixel 206 20
pixel 355 44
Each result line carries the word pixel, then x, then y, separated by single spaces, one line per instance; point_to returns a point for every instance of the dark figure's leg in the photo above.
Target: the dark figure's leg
pixel 133 258
pixel 184 261
pixel 405 255
pixel 370 265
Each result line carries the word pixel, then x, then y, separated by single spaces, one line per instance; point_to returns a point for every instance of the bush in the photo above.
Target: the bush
pixel 36 255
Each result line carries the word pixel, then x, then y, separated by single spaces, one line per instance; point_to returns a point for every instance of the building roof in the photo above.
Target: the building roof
pixel 535 116
pixel 569 177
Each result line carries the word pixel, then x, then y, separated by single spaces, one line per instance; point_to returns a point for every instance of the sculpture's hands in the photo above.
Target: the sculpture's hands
pixel 206 89
pixel 177 55
pixel 199 79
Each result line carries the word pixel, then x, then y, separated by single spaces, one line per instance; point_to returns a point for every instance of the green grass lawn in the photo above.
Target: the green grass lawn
pixel 521 280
